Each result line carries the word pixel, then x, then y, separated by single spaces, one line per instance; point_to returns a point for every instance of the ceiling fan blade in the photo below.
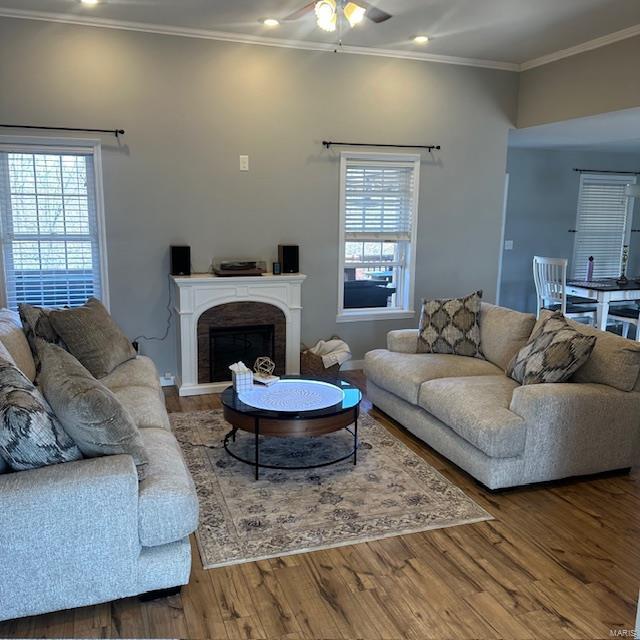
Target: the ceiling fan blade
pixel 296 15
pixel 373 13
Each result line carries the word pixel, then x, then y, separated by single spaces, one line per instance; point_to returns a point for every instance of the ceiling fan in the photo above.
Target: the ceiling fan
pixel 328 13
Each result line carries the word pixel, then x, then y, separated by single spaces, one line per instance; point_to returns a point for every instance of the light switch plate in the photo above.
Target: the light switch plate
pixel 244 163
pixel 508 245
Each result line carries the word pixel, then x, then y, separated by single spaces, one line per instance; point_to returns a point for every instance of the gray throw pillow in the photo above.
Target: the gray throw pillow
pixel 38 328
pixel 30 434
pixel 92 336
pixel 555 351
pixel 451 326
pixel 89 412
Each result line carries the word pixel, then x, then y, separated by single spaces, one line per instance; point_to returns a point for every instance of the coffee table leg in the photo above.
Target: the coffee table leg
pixel 257 432
pixel 355 436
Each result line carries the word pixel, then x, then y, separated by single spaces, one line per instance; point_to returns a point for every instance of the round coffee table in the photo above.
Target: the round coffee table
pixel 292 408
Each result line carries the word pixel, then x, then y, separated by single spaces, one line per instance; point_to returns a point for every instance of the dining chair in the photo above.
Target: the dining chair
pixel 627 316
pixel 550 278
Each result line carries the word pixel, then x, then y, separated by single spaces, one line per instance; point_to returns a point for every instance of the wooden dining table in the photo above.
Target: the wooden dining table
pixel 604 291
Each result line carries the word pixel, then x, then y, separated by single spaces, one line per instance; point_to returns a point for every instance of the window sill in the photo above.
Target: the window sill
pixel 362 315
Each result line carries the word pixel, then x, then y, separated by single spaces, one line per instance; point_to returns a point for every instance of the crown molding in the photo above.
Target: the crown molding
pixel 239 38
pixel 206 34
pixel 590 45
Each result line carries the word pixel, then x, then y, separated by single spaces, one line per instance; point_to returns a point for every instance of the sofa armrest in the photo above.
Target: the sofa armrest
pixel 68 535
pixel 403 341
pixel 581 427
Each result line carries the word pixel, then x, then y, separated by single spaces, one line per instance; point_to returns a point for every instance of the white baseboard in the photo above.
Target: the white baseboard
pixel 352 365
pixel 202 389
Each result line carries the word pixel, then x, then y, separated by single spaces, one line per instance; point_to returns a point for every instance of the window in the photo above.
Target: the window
pixel 378 220
pixel 52 233
pixel 603 224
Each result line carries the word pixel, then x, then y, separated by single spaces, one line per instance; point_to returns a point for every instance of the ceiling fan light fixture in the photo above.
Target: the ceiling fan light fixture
pixel 326 14
pixel 328 25
pixel 354 13
pixel 325 10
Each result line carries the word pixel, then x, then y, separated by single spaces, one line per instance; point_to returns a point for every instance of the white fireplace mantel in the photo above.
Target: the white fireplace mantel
pixel 195 294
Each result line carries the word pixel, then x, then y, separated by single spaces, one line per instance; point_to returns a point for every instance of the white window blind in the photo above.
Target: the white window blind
pixel 379 200
pixel 603 224
pixel 378 213
pixel 50 236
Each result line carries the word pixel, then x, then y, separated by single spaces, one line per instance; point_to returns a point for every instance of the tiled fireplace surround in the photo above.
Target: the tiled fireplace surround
pixel 203 301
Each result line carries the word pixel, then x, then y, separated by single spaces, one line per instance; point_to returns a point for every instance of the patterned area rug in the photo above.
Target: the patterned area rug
pixel 391 491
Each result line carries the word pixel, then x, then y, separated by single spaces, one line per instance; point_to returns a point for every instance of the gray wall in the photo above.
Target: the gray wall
pixel 542 207
pixel 598 81
pixel 190 107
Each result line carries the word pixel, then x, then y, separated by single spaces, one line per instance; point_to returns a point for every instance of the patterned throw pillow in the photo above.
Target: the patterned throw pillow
pixel 30 435
pixel 451 326
pixel 553 354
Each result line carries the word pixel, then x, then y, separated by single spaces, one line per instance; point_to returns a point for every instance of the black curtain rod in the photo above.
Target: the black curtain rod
pixel 115 132
pixel 624 173
pixel 429 147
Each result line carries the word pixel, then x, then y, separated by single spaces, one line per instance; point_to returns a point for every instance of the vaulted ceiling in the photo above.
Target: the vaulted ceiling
pixel 506 31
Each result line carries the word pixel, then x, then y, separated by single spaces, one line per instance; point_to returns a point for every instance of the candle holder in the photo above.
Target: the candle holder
pixel 623 280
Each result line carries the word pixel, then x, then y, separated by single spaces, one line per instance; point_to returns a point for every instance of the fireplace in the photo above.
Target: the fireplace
pixel 237 331
pixel 203 301
pixel 232 344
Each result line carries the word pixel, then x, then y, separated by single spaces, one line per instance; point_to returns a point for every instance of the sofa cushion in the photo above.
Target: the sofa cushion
pixel 477 409
pixel 93 337
pixel 30 434
pixel 89 412
pixel 451 326
pixel 138 372
pixel 554 353
pixel 503 332
pixel 167 503
pixel 4 355
pixel 14 339
pixel 145 406
pixel 403 373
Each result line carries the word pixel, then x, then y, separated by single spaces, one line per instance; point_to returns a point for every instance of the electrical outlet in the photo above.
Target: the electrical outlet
pixel 244 163
pixel 168 379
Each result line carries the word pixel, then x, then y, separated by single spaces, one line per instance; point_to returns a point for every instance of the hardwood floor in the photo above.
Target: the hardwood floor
pixel 558 561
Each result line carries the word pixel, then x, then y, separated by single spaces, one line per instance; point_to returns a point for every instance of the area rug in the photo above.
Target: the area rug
pixel 391 491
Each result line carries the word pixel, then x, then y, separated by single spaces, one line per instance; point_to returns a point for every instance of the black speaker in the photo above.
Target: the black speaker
pixel 180 260
pixel 289 258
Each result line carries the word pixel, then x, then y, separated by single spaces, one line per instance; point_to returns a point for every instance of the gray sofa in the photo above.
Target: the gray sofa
pixel 86 532
pixel 502 433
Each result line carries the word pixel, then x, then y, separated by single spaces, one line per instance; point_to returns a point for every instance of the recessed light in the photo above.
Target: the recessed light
pixel 421 39
pixel 90 3
pixel 270 22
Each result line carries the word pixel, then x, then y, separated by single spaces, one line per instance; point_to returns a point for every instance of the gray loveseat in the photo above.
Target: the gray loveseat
pixel 502 433
pixel 86 532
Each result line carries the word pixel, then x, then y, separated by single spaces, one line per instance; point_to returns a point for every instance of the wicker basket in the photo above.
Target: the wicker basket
pixel 311 365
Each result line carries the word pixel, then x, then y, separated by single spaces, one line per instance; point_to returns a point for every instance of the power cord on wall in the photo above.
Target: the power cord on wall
pixel 169 317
